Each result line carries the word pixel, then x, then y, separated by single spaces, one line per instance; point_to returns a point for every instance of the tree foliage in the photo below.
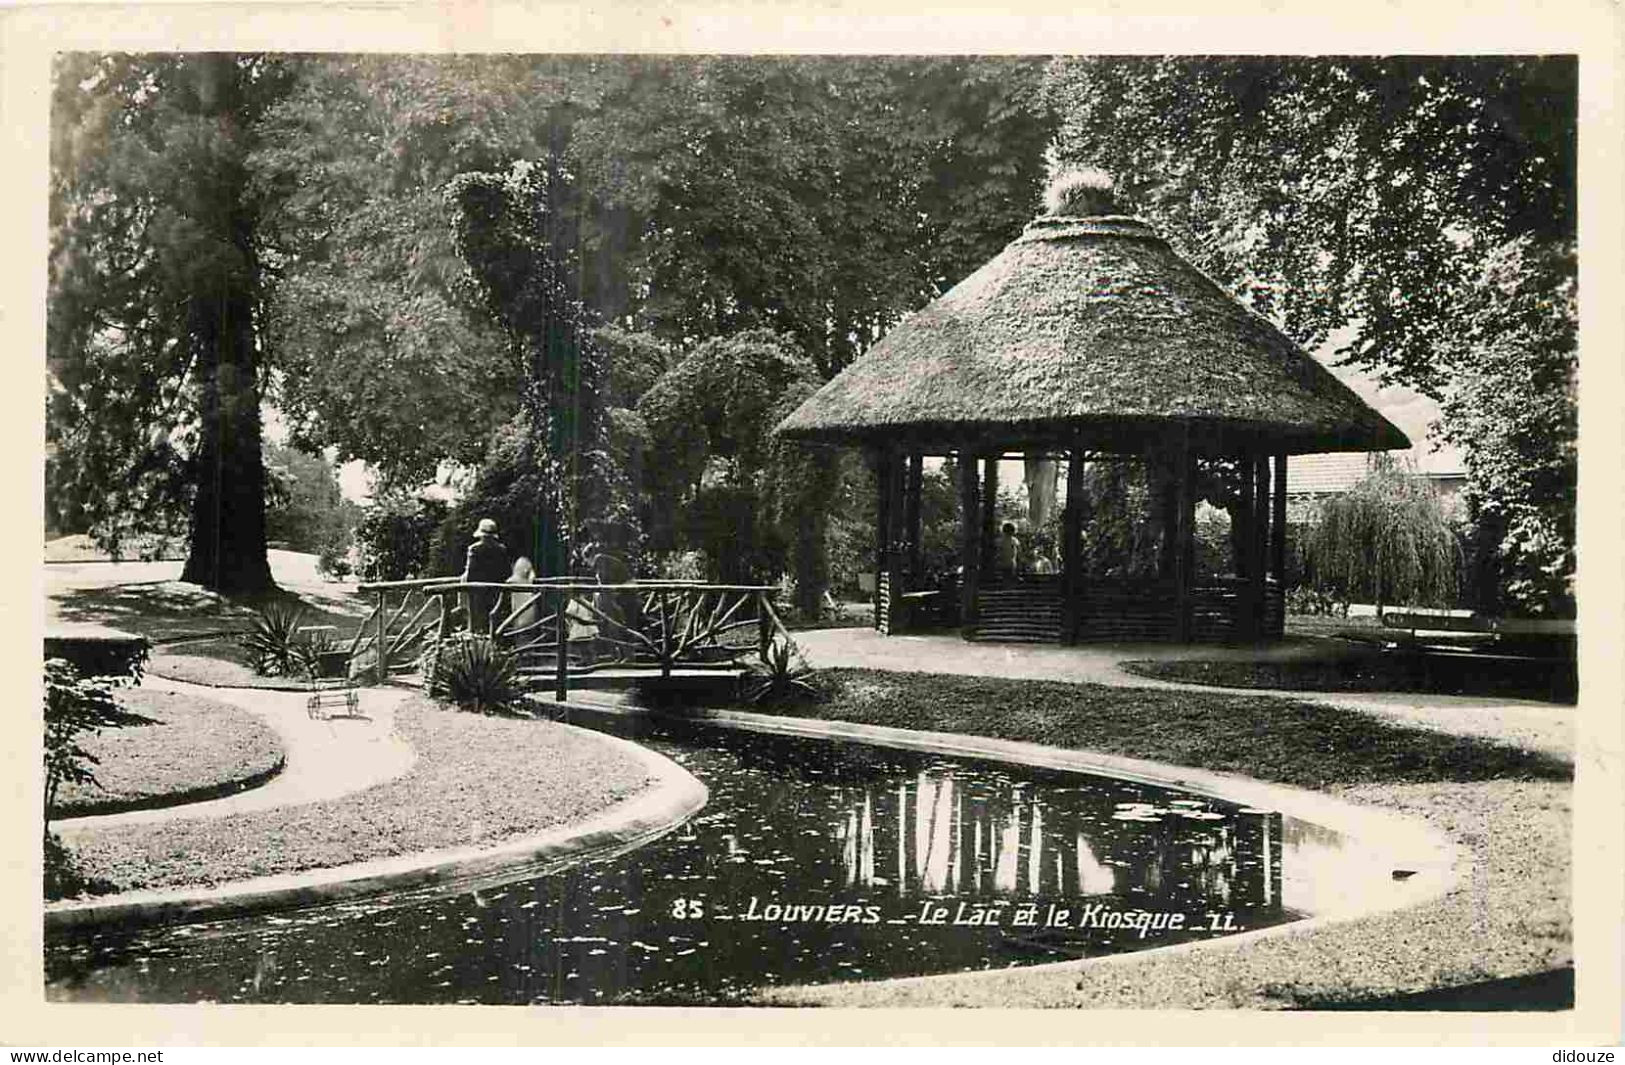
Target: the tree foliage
pixel 719 482
pixel 372 312
pixel 1386 541
pixel 156 292
pixel 1419 210
pixel 696 196
pixel 304 507
pixel 822 198
pixel 389 219
pixel 1513 412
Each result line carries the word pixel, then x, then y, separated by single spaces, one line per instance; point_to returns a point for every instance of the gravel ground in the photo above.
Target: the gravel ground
pixel 198 747
pixel 478 780
pixel 1510 916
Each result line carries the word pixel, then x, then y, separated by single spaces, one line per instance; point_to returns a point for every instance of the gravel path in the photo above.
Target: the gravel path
pixel 325 758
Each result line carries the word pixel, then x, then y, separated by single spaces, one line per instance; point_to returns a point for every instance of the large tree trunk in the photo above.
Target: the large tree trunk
pixel 228 510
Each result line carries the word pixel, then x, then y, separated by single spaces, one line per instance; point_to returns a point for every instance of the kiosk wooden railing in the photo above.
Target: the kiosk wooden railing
pixel 565 628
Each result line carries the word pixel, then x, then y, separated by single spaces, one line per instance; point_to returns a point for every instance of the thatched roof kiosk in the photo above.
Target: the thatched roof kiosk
pixel 1089 334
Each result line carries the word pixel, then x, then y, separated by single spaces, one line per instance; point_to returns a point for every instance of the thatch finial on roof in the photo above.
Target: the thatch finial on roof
pixel 1080 192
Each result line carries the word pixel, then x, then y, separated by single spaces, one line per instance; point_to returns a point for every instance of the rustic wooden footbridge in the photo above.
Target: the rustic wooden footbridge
pixel 574 633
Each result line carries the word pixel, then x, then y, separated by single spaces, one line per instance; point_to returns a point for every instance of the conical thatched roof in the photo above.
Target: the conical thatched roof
pixel 1089 332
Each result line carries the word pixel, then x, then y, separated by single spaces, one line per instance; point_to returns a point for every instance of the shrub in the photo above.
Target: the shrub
pixel 395 535
pixel 100 654
pixel 780 675
pixel 477 675
pixel 333 560
pixel 1386 541
pixel 75 704
pixel 272 646
pixel 317 653
pixel 1313 602
pixel 679 565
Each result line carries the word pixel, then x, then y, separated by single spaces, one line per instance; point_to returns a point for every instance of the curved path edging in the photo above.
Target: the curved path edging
pixel 674 797
pixel 185 797
pixel 174 649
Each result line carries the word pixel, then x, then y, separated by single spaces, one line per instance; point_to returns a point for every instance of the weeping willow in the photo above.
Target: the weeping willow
pixel 1387 541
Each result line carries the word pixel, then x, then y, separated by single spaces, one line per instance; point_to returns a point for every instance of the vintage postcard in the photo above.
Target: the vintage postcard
pixel 1045 517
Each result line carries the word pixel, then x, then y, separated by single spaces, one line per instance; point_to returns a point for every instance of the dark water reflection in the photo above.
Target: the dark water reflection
pixel 812 862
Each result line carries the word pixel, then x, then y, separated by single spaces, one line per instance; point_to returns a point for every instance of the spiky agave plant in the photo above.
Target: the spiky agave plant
pixel 272 645
pixel 477 675
pixel 781 674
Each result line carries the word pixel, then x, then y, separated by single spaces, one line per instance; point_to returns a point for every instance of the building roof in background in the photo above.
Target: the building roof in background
pixel 1411 411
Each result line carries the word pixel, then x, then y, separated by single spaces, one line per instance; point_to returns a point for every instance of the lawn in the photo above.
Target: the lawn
pixel 171 610
pixel 81 548
pixel 477 780
pixel 1362 669
pixel 1292 742
pixel 215 661
pixel 195 749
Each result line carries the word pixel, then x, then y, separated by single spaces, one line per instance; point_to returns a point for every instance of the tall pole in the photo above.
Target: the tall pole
pixel 911 515
pixel 1278 539
pixel 1261 543
pixel 970 523
pixel 1184 510
pixel 990 499
pixel 1246 514
pixel 1071 553
pixel 883 521
pixel 1278 523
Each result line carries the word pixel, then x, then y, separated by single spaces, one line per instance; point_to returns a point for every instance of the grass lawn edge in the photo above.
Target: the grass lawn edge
pixel 183 797
pixel 672 797
pixel 1525 900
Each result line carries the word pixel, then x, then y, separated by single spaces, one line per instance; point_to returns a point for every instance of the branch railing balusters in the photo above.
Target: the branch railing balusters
pixel 676 623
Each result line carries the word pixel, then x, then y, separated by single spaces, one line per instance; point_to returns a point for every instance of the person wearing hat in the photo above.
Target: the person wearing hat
pixel 487 563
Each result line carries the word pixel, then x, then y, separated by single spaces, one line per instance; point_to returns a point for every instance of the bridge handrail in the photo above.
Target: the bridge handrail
pixel 384 586
pixel 452 584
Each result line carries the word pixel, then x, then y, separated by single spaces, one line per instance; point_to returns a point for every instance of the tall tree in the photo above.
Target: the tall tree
pixel 156 295
pixel 1385 541
pixel 822 198
pixel 372 312
pixel 1395 202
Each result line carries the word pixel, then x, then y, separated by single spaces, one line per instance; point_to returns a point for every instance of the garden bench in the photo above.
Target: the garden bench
pixel 1413 621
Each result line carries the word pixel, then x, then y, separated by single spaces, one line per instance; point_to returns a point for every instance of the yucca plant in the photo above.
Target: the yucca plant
pixel 477 675
pixel 272 646
pixel 781 674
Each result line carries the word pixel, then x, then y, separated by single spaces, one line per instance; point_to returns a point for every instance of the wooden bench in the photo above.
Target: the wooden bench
pixel 1414 621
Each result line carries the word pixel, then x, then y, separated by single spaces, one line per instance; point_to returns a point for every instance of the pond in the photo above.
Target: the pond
pixel 813 861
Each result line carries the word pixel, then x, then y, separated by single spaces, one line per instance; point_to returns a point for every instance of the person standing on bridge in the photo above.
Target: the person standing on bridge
pixel 487 563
